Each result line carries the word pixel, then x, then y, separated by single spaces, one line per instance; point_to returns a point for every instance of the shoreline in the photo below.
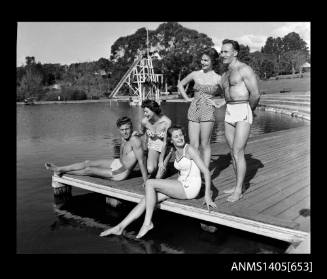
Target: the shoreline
pixel 174 100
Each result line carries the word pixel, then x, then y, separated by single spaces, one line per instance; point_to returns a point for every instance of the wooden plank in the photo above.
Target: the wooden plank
pixel 259 194
pixel 263 169
pixel 287 202
pixel 276 197
pixel 285 234
pixel 261 184
pixel 292 212
pixel 304 223
pixel 285 159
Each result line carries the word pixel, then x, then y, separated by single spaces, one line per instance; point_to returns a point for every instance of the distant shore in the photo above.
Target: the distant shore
pixel 170 100
pixel 122 99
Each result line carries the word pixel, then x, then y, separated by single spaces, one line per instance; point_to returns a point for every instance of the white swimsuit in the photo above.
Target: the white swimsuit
pixel 190 175
pixel 236 112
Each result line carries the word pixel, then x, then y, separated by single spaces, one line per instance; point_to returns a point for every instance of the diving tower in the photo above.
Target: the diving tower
pixel 143 83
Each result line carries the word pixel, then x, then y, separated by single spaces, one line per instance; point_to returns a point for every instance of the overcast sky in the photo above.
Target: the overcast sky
pixel 73 42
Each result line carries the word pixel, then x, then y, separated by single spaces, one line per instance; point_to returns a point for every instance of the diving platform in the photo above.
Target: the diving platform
pixel 276 202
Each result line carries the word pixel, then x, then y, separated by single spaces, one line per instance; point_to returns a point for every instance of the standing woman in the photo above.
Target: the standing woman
pixel 200 115
pixel 155 126
pixel 186 186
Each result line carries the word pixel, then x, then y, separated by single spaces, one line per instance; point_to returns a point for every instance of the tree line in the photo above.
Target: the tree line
pixel 175 51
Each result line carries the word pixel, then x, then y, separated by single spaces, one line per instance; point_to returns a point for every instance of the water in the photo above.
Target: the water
pixel 69 133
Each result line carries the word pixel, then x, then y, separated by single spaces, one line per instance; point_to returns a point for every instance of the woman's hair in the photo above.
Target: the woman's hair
pixel 151 105
pixel 213 54
pixel 170 132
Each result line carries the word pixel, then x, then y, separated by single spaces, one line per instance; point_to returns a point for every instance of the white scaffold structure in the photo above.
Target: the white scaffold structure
pixel 141 80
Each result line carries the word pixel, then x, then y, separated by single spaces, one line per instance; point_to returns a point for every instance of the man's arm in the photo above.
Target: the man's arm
pixel 251 84
pixel 139 154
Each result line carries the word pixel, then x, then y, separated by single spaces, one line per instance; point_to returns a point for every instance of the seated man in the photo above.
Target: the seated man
pixel 117 169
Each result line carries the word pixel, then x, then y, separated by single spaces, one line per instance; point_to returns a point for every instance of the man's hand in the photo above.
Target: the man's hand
pixel 215 104
pixel 136 133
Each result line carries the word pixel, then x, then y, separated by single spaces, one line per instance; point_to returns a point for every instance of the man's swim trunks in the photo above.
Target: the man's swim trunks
pixel 201 108
pixel 117 167
pixel 236 112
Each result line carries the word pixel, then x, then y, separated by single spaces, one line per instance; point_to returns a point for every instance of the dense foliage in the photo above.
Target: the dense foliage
pixel 177 52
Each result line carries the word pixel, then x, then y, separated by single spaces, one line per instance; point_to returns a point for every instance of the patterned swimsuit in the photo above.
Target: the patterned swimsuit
pixel 155 140
pixel 201 110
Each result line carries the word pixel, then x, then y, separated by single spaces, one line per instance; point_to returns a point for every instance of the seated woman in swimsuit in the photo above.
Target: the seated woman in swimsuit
pixel 187 185
pixel 155 126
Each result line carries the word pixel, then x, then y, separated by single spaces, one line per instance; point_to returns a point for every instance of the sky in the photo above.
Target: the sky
pixel 76 42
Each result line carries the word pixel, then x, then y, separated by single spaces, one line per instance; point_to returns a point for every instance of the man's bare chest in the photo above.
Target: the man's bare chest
pixel 125 148
pixel 231 78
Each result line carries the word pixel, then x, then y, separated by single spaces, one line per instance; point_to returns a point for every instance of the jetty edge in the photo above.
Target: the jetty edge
pixel 278 172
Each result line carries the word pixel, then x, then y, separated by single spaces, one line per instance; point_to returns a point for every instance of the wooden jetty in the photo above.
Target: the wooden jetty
pixel 276 202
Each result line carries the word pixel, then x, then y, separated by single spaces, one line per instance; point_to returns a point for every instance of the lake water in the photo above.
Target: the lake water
pixel 69 133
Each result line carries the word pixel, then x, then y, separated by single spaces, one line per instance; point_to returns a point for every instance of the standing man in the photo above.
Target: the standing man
pixel 117 169
pixel 242 96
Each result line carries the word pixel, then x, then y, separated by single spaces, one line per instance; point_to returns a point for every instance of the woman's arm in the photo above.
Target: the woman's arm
pixel 182 83
pixel 164 146
pixel 194 155
pixel 142 129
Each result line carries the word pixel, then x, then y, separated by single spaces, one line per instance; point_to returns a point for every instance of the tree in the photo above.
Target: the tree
pixel 267 69
pixel 178 47
pixel 295 59
pixel 293 41
pixel 289 52
pixel 244 54
pixel 31 80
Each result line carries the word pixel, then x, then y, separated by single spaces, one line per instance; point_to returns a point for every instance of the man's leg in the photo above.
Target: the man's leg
pixel 229 135
pixel 79 166
pixel 242 132
pixel 93 171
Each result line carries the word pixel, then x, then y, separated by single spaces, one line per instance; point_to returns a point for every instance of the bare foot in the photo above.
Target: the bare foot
pixel 235 197
pixel 117 230
pixel 229 191
pixel 52 167
pixel 144 230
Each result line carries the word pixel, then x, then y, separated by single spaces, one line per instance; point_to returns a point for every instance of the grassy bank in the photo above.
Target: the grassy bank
pixel 275 86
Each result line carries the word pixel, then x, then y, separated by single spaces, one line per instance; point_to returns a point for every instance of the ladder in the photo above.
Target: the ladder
pixel 125 76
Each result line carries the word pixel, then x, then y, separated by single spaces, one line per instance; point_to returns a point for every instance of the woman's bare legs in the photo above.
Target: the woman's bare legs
pixel 135 213
pixel 152 161
pixel 194 134
pixel 205 133
pixel 171 188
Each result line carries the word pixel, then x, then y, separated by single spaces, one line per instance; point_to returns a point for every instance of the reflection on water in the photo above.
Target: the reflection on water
pixel 69 133
pixel 173 234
